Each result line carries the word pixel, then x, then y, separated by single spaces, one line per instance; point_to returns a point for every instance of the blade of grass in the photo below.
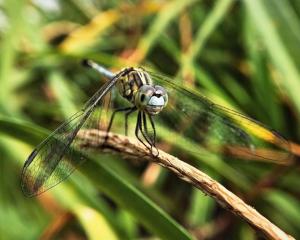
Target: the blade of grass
pixel 88 34
pixel 12 217
pixel 134 201
pixel 63 93
pixel 262 84
pixel 201 207
pixel 10 40
pixel 277 50
pixel 163 19
pixel 205 30
pixel 288 22
pixel 94 223
pixel 287 204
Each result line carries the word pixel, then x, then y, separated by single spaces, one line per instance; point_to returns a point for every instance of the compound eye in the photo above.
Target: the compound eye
pixel 160 90
pixel 157 87
pixel 144 94
pixel 165 96
pixel 146 91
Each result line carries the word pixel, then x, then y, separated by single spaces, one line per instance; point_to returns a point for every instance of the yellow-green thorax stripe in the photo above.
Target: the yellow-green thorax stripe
pixel 129 83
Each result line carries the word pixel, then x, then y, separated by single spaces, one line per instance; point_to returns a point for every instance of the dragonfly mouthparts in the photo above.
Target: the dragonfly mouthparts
pixel 156 101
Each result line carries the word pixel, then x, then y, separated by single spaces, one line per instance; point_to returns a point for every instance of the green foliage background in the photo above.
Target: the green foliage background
pixel 244 54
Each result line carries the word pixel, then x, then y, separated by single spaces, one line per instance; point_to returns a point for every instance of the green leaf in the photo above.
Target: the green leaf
pixel 162 20
pixel 258 10
pixel 286 204
pixel 205 30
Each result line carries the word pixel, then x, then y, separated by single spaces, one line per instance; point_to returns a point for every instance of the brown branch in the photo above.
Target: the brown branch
pixel 130 147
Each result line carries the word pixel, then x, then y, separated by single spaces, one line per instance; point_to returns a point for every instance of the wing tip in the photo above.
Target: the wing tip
pixel 27 192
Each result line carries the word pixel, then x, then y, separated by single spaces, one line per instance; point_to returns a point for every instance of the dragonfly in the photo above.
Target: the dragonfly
pixel 155 100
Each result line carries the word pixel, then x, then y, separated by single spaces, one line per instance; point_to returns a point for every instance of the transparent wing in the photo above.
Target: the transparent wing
pixel 59 154
pixel 224 131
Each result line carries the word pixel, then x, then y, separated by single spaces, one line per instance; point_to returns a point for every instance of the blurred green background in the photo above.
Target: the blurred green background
pixel 244 54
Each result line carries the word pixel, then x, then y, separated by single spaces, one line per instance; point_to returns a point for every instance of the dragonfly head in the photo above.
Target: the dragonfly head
pixel 151 99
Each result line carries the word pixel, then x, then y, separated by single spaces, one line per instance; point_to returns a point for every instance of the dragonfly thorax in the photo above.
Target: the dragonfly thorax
pixel 136 86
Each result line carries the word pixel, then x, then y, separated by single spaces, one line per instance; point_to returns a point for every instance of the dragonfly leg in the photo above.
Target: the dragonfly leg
pixel 143 123
pixel 145 130
pixel 138 128
pixel 154 137
pixel 133 109
pixel 153 128
pixel 112 119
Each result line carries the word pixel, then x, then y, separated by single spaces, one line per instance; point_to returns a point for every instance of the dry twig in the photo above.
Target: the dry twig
pixel 130 147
